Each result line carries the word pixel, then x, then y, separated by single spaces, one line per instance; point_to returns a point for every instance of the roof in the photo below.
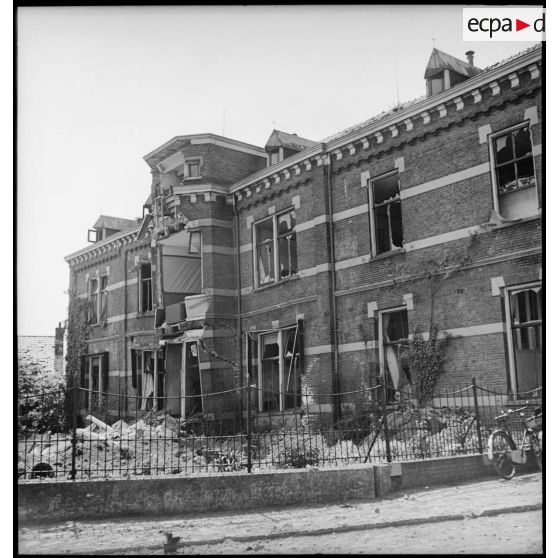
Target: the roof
pixel 393 116
pixel 409 104
pixel 442 61
pixel 291 141
pixel 35 355
pixel 178 142
pixel 116 223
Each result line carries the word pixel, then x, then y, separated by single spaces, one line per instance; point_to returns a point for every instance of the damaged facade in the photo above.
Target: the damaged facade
pixel 309 264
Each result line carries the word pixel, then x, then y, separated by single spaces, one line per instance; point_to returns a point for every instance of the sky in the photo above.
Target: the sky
pixel 100 87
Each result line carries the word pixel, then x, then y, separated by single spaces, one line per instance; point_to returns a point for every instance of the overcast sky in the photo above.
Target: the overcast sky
pixel 99 88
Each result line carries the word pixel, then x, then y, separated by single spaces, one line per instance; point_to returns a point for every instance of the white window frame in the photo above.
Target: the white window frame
pixel 276 278
pixel 490 140
pixel 98 308
pixel 281 338
pixel 371 207
pixel 507 292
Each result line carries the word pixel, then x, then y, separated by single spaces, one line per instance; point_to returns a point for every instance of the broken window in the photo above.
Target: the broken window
pixel 526 329
pixel 286 240
pixel 385 214
pixel 280 370
pixel 394 334
pixel 98 299
pixel 276 251
pixel 145 288
pixel 182 265
pixel 515 173
pixel 94 380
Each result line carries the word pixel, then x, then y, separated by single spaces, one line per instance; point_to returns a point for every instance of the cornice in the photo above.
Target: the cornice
pixel 114 242
pixel 395 124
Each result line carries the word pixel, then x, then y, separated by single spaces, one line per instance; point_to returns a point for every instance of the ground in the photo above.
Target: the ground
pixel 487 516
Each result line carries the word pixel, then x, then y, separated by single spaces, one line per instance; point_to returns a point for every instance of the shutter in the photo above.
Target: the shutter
pixel 249 357
pixel 300 344
pixel 82 370
pixel 104 372
pixel 160 362
pixel 134 368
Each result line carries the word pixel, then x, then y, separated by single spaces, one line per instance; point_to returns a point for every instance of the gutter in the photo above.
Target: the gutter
pixel 238 293
pixel 429 103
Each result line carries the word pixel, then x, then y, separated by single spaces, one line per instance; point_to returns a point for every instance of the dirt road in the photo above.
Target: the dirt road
pixel 485 516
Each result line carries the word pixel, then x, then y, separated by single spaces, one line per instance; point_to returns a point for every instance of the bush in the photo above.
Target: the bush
pixel 41 403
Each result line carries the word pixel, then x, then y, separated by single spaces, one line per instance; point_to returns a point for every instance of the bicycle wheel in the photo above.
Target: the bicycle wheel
pixel 536 448
pixel 499 451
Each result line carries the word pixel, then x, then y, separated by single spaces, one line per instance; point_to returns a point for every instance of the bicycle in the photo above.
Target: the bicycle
pixel 503 452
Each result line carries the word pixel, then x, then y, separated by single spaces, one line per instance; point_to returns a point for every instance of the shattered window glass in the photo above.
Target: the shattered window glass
pixel 388 225
pixel 395 333
pixel 265 252
pixel 287 244
pixel 513 155
pixel 93 300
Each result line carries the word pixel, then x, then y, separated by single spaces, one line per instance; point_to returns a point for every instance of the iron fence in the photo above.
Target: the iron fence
pixel 80 434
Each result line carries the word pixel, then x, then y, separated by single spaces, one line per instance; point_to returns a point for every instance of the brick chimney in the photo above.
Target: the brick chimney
pixel 470 54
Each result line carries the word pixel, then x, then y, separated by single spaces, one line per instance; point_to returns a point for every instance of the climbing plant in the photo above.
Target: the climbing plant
pixel 426 358
pixel 78 333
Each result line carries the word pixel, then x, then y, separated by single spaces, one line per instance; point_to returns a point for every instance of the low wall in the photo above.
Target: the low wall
pixel 60 501
pixel 446 470
pixel 64 500
pixel 442 470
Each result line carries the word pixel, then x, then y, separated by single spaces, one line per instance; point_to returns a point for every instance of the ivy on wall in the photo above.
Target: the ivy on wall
pixel 426 358
pixel 78 333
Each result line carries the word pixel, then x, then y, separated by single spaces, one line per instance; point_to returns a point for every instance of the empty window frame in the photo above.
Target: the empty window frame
pixel 94 380
pixel 276 250
pixel 148 378
pixel 394 349
pixel 514 173
pixel 145 288
pixel 280 370
pixel 386 225
pixel 98 299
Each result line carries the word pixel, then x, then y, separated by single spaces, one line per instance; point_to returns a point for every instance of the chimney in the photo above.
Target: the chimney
pixel 469 54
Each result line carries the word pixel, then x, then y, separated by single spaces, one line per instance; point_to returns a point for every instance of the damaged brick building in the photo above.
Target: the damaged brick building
pixel 310 264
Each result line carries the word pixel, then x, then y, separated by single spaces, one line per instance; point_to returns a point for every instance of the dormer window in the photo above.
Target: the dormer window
pixel 281 146
pixel 436 84
pixel 275 157
pixel 444 71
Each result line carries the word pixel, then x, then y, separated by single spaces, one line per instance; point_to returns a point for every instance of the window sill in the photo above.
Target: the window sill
pixel 190 178
pixel 495 227
pixel 387 254
pixel 276 283
pixel 148 313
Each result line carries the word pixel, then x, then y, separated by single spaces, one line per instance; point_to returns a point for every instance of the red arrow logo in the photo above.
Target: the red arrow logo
pixel 519 25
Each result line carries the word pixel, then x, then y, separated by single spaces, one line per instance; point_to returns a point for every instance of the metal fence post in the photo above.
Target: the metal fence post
pixel 74 431
pixel 249 424
pixel 384 414
pixel 477 416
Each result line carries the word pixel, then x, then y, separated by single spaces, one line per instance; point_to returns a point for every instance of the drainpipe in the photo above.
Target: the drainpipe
pixel 238 294
pixel 336 384
pixel 125 331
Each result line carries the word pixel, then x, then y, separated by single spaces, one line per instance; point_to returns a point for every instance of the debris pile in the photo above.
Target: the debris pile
pixel 158 444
